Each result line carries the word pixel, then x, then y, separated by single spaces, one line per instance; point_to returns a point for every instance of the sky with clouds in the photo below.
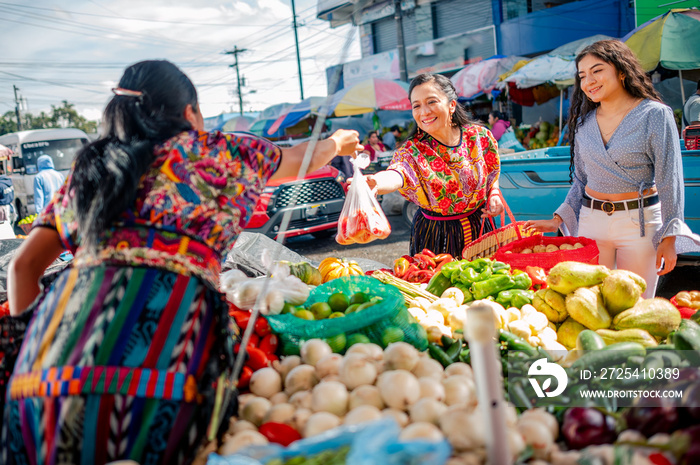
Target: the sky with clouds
pixel 76 50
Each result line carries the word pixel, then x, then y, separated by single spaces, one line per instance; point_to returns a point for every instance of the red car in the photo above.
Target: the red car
pixel 315 203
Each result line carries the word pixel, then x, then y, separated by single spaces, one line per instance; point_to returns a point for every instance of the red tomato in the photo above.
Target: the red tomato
pixel 244 379
pixel 262 327
pixel 279 433
pixel 257 358
pixel 269 344
pixel 242 317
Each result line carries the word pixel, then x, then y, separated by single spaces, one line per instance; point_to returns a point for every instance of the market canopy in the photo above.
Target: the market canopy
pixel 671 39
pixel 557 66
pixel 292 115
pixel 238 123
pixel 370 95
pixel 481 77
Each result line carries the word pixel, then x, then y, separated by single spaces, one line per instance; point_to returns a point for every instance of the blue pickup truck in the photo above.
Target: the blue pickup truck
pixel 535 183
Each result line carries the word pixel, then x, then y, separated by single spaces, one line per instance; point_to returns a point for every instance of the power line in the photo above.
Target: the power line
pixel 125 18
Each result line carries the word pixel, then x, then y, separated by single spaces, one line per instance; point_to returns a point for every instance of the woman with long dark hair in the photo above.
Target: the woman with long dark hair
pixel 448 166
pixel 626 170
pixel 128 353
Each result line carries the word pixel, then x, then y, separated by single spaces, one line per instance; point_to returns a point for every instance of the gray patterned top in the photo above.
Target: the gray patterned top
pixel 644 151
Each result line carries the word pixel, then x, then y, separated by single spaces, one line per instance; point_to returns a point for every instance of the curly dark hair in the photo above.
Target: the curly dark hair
pixel 635 81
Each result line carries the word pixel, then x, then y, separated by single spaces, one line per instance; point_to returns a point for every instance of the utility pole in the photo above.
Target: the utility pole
pixel 19 120
pixel 235 53
pixel 296 41
pixel 399 38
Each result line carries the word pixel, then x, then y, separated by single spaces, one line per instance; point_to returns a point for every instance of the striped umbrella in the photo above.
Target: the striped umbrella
pixel 670 40
pixel 370 95
pixel 481 77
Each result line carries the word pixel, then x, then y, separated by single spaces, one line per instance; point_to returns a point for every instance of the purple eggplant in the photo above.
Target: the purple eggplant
pixel 584 426
pixel 652 420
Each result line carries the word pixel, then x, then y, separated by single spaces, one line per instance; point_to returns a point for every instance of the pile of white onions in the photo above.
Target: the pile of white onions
pixel 321 390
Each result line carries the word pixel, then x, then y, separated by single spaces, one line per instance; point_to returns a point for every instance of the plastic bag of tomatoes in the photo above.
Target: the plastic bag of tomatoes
pixel 362 219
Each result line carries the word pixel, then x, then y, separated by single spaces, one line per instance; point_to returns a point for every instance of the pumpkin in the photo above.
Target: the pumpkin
pixel 332 268
pixel 307 273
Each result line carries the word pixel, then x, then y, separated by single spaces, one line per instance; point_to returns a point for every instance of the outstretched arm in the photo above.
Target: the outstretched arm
pixel 342 142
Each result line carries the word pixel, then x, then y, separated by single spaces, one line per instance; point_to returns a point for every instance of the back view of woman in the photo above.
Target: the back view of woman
pixel 128 352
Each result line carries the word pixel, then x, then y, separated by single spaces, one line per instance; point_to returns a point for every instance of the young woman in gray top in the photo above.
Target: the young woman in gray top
pixel 625 151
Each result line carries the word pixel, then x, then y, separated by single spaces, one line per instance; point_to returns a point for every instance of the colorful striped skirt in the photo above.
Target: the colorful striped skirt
pixel 445 234
pixel 119 363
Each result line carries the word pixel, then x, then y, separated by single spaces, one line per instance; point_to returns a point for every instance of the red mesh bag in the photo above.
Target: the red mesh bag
pixel 510 253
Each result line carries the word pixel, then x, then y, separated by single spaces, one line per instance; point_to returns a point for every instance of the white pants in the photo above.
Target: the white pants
pixel 619 242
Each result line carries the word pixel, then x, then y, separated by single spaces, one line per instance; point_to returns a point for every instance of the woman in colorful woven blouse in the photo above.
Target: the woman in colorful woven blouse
pixel 128 352
pixel 626 168
pixel 449 167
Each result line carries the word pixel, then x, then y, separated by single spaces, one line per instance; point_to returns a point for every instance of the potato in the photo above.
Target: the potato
pixel 526 251
pixel 509 251
pixel 552 248
pixel 539 248
pixel 566 247
pixel 578 245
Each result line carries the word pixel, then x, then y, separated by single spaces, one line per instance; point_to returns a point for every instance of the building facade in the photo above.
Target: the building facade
pixel 445 35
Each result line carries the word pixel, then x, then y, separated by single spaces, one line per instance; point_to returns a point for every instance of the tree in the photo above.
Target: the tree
pixel 63 116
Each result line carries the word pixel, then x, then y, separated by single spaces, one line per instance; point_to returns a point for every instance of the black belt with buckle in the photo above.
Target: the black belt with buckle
pixel 611 207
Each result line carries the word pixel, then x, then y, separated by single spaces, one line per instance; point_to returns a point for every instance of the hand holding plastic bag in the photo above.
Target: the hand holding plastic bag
pixel 362 219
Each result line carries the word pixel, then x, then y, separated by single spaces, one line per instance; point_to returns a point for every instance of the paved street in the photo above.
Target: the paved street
pixel 383 251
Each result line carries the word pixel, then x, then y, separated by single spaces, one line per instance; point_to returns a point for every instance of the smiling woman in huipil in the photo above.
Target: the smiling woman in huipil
pixel 448 166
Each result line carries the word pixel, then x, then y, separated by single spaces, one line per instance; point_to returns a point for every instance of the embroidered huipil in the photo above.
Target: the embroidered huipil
pixel 448 180
pixel 190 207
pixel 644 151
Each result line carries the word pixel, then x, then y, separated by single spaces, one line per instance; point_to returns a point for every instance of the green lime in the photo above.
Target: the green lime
pixel 339 302
pixel 357 338
pixel 337 343
pixel 288 308
pixel 358 298
pixel 321 310
pixel 336 315
pixel 304 315
pixel 365 305
pixel 352 308
pixel 392 334
pixel 419 331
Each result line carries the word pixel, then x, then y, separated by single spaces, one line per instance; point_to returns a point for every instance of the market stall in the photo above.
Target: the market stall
pixel 341 355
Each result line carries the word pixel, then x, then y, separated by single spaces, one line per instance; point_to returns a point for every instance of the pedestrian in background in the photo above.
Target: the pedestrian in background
pixel 134 338
pixel 7 195
pixel 499 124
pixel 448 166
pixel 391 138
pixel 691 109
pixel 46 183
pixel 626 169
pixel 374 146
pixel 503 132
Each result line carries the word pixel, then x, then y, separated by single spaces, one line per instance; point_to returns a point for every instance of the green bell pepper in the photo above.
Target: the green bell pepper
pixel 491 286
pixel 438 284
pixel 505 297
pixel 468 297
pixel 521 280
pixel 499 266
pixel 521 297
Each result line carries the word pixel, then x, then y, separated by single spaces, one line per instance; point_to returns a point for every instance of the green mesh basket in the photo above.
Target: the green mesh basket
pixel 378 323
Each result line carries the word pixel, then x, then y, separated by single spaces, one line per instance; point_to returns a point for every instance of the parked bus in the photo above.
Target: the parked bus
pixel 60 144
